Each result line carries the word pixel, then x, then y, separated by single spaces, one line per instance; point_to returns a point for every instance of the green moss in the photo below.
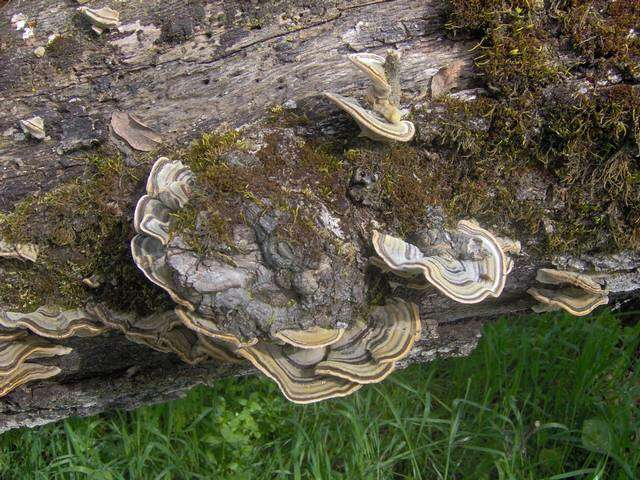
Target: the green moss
pixel 82 229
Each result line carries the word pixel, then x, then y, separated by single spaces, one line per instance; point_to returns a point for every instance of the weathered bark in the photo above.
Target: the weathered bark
pixel 194 68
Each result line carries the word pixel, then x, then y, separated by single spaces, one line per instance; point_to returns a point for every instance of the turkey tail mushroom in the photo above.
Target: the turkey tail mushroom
pixel 52 322
pixel 314 337
pixel 463 280
pixel 365 353
pixel 25 373
pixel 578 294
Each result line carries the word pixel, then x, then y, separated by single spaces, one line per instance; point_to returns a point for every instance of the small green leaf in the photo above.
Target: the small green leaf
pixel 596 435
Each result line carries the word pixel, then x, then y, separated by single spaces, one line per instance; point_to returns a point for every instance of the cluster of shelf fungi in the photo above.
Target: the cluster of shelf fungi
pixel 467 264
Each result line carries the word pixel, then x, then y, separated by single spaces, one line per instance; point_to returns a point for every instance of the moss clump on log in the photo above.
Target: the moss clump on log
pixel 565 108
pixel 83 229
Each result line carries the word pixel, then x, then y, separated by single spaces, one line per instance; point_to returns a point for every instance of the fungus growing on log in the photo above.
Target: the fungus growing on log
pixel 578 293
pixel 469 268
pixel 101 19
pixel 25 373
pixel 34 126
pixel 132 130
pixel 385 122
pixel 16 351
pixel 21 251
pixel 51 322
pixel 314 337
pixel 366 353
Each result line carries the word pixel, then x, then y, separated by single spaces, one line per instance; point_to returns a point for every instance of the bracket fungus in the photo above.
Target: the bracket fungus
pixel 468 268
pixel 577 294
pixel 101 19
pixel 51 322
pixel 21 251
pixel 384 122
pixel 365 353
pixel 34 126
pixel 16 347
pixel 235 307
pixel 132 130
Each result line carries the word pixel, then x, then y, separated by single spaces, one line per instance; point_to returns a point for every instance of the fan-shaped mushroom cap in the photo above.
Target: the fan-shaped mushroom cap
pixel 52 322
pixel 560 277
pixel 209 328
pixel 152 218
pixel 130 128
pixel 149 255
pixel 163 332
pixel 34 126
pixel 575 301
pixel 170 182
pixel 216 350
pixel 372 125
pixel 581 300
pixel 365 353
pixel 373 66
pixel 314 337
pixel 14 353
pixel 26 372
pixel 465 281
pixel 21 251
pixel 101 18
pixel 295 375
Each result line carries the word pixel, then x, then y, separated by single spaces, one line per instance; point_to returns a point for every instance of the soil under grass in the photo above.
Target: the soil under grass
pixel 548 397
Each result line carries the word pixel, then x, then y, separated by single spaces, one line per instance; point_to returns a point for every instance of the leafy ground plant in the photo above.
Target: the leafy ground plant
pixel 548 397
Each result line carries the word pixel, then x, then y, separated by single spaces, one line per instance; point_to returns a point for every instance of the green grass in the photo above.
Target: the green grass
pixel 548 397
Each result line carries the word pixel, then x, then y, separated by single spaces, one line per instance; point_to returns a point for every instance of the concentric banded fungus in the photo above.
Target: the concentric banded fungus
pixel 209 328
pixel 295 373
pixel 385 122
pixel 51 322
pixel 465 280
pixel 163 332
pixel 21 251
pixel 101 19
pixel 373 126
pixel 25 373
pixel 382 95
pixel 13 353
pixel 34 126
pixel 364 354
pixel 579 294
pixel 314 337
pixel 132 130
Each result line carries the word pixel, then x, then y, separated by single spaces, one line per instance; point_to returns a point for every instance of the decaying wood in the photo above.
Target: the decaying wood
pixel 190 67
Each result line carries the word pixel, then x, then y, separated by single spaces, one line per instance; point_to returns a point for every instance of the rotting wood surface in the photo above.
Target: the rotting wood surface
pixel 188 67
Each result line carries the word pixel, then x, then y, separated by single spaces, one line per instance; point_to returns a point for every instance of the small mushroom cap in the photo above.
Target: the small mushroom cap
pixel 152 217
pixel 367 353
pixel 170 182
pixel 560 277
pixel 373 66
pixel 217 350
pixel 297 381
pixel 132 130
pixel 26 372
pixel 465 281
pixel 314 337
pixel 149 255
pixel 14 353
pixel 21 251
pixel 373 125
pixel 102 17
pixel 34 126
pixel 209 328
pixel 52 322
pixel 574 301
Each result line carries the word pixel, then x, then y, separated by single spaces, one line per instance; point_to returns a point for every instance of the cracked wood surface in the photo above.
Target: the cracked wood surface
pixel 237 59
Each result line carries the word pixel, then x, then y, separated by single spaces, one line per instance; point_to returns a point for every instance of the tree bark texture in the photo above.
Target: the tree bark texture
pixel 191 67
